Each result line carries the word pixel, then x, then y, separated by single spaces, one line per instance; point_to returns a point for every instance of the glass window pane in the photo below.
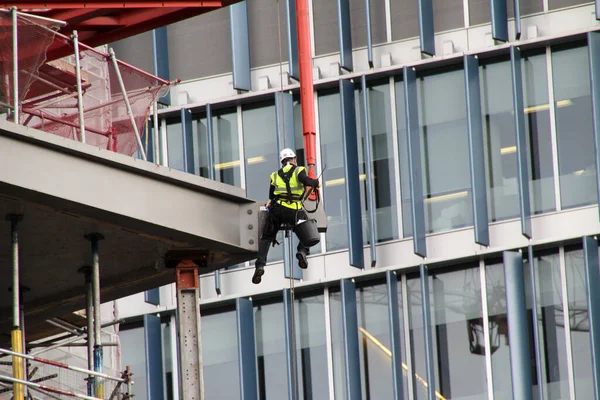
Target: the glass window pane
pixel 334 187
pixel 201 143
pixel 337 344
pixel 270 351
pixel 262 158
pixel 537 121
pixel 133 353
pixel 311 355
pixel 574 127
pixel 579 322
pixel 220 356
pixel 227 147
pixel 417 336
pixel 175 145
pixel 445 163
pixel 500 141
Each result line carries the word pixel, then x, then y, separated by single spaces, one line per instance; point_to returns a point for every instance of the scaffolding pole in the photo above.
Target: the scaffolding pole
pixel 75 37
pixel 15 45
pixel 89 310
pixel 94 238
pixel 155 135
pixel 16 334
pixel 113 57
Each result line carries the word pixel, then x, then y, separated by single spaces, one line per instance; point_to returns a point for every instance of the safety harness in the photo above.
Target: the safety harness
pixel 288 196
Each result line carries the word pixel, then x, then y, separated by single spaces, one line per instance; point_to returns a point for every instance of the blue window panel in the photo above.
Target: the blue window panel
pixel 414 161
pixel 286 138
pixel 154 362
pixel 476 152
pixel 395 335
pixel 289 344
pixel 499 20
pixel 351 174
pixel 160 53
pixel 246 349
pixel 188 141
pixel 350 333
pixel 594 57
pixel 592 271
pixel 426 311
pixel 152 296
pixel 521 139
pixel 426 30
pixel 517 325
pixel 369 33
pixel 240 46
pixel 345 36
pixel 534 318
pixel 292 39
pixel 366 118
pixel 517 8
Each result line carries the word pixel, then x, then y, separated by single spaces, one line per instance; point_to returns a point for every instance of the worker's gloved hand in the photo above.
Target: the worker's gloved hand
pixel 268 204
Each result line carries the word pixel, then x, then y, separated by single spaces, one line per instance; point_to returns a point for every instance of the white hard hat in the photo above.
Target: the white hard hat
pixel 286 153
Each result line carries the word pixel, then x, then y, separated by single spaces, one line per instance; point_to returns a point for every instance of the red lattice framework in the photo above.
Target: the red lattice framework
pixel 48 89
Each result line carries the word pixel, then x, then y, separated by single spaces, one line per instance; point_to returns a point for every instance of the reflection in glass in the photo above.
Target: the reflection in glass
pixel 133 354
pixel 227 147
pixel 374 342
pixel 446 182
pixel 175 145
pixel 537 121
pixel 574 127
pixel 382 157
pixel 311 354
pixel 220 356
pixel 499 141
pixel 270 351
pixel 579 323
pixel 337 344
pixel 262 158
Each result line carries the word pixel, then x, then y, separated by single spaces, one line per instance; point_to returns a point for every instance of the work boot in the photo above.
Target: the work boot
pixel 302 260
pixel 259 271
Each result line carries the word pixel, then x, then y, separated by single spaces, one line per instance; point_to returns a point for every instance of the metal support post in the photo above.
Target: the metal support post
pixel 89 311
pixel 15 46
pixel 155 135
pixel 16 334
pixel 127 104
pixel 94 238
pixel 188 324
pixel 75 38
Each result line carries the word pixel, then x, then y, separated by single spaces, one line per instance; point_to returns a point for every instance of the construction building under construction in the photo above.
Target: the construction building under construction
pixel 458 142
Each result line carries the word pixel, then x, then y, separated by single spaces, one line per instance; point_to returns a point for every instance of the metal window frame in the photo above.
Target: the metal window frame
pixel 388 20
pixel 427 327
pixel 345 34
pixel 396 157
pixel 351 174
pixel 368 143
pixel 486 330
pixel 329 343
pixel 476 151
pixel 534 312
pixel 521 141
pixel 240 46
pixel 406 314
pixel 414 161
pixel 426 27
pixel 187 133
pixel 288 304
pixel 499 17
pixel 553 129
pixel 369 33
pixel 566 311
pixel 175 364
pixel 163 142
pixel 154 357
pixel 395 337
pixel 244 312
pixel 517 10
pixel 350 337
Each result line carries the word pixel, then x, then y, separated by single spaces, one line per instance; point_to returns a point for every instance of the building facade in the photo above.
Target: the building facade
pixel 476 185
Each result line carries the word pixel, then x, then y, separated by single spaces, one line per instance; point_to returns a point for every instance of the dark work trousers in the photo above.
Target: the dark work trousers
pixel 278 215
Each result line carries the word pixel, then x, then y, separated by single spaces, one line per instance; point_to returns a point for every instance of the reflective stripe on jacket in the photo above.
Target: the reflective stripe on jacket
pixel 296 188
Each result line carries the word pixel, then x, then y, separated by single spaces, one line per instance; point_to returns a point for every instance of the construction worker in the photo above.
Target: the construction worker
pixel 285 207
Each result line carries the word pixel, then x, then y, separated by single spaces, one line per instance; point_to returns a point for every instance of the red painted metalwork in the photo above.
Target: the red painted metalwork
pixel 307 99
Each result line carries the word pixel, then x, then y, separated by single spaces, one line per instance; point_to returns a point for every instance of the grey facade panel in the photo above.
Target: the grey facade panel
pixel 405 19
pixel 136 50
pixel 448 14
pixel 326 26
pixel 554 4
pixel 266 27
pixel 200 46
pixel 479 10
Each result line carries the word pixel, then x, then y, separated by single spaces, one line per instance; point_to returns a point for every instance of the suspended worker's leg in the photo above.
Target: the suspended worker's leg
pixel 302 251
pixel 268 236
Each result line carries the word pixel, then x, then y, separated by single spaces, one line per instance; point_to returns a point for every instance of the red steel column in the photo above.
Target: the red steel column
pixel 306 85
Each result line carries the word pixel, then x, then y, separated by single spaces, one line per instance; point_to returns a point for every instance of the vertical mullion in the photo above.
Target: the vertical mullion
pixel 163 143
pixel 366 119
pixel 292 39
pixel 369 32
pixel 246 349
pixel 175 364
pixel 499 20
pixel 466 12
pixel 553 130
pixel 344 34
pixel 240 45
pixel 486 331
pixel 351 174
pixel 395 337
pixel 407 346
pixel 566 312
pixel 241 152
pixel 388 21
pixel 396 157
pixel 476 152
pixel 517 8
pixel 594 66
pixel 426 311
pixel 350 337
pixel 517 325
pixel 592 282
pixel 536 331
pixel 188 141
pixel 414 161
pixel 160 54
pixel 426 29
pixel 292 375
pixel 597 4
pixel 328 343
pixel 154 360
pixel 521 140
